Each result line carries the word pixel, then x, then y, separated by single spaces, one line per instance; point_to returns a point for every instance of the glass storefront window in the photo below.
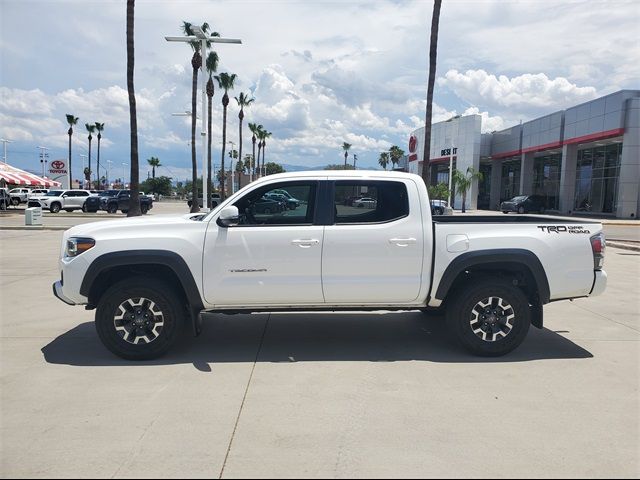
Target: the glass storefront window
pixel 510 183
pixel 546 179
pixel 597 172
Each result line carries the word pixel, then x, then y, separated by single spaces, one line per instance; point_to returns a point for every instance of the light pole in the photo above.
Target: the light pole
pixel 451 154
pixel 201 36
pixel 4 148
pixel 124 173
pixel 82 156
pixel 231 166
pixel 109 162
pixel 43 159
pixel 355 159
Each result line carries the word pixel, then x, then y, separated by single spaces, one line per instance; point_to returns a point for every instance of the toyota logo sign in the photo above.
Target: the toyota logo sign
pixel 413 143
pixel 57 164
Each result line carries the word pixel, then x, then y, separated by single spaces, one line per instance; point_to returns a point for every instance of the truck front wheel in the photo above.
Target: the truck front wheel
pixel 490 317
pixel 139 318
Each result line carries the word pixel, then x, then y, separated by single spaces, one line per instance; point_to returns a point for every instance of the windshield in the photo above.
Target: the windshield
pixel 109 193
pixel 54 193
pixel 518 199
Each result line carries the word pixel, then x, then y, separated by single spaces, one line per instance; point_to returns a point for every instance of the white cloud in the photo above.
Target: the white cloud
pixel 528 91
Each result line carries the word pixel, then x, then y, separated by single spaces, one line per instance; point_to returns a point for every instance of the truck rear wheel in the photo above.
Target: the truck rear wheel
pixel 139 318
pixel 112 208
pixel 489 317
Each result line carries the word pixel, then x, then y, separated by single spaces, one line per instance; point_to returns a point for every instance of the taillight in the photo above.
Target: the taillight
pixel 598 246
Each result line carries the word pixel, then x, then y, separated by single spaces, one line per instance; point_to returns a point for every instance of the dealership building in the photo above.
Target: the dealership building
pixel 582 160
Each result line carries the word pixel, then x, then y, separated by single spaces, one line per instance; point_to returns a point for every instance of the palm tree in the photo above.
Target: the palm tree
pixel 71 120
pixel 395 154
pixel 265 135
pixel 346 146
pixel 225 81
pixel 196 63
pixel 154 162
pixel 254 130
pixel 243 101
pixel 212 66
pixel 433 53
pixel 134 200
pixel 99 129
pixel 90 128
pixel 383 161
pixel 463 182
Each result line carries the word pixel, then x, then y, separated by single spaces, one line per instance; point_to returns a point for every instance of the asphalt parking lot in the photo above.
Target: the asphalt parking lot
pixel 315 395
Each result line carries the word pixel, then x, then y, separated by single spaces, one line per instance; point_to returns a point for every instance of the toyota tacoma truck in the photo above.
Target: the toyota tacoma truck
pixel 491 275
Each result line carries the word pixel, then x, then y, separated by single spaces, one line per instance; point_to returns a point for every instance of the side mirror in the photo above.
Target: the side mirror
pixel 229 217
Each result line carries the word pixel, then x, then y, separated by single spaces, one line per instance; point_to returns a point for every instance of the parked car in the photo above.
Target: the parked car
pixel 38 191
pixel 19 195
pixel 287 203
pixel 489 275
pixel 114 200
pixel 438 207
pixel 56 200
pixel 524 204
pixel 268 206
pixel 215 200
pixel 365 202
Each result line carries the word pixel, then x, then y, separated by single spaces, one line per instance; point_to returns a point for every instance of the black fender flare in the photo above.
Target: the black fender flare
pixel 149 257
pixel 495 257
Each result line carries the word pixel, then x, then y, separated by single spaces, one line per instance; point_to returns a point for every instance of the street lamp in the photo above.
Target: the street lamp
pixel 231 167
pixel 4 147
pixel 82 156
pixel 124 174
pixel 43 159
pixel 109 162
pixel 201 36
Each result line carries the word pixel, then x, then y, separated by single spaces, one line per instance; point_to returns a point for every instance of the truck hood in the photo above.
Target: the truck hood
pixel 133 225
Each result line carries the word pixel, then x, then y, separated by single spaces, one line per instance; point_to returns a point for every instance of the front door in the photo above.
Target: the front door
pixel 273 257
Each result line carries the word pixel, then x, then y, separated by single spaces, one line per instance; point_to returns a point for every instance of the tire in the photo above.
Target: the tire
pixel 521 210
pixel 125 211
pixel 68 210
pixel 112 208
pixel 471 320
pixel 55 207
pixel 15 202
pixel 504 212
pixel 145 342
pixel 144 209
pixel 84 208
pixel 360 205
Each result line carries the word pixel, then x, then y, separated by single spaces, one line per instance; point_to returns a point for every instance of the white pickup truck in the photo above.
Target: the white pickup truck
pixel 147 277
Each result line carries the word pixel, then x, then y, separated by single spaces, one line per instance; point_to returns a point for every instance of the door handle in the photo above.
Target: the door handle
pixel 403 242
pixel 305 243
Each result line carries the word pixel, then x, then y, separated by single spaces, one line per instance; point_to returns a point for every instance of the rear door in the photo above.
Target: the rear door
pixel 373 253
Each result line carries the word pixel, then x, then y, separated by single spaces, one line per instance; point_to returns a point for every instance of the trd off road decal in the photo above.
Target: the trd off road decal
pixel 577 229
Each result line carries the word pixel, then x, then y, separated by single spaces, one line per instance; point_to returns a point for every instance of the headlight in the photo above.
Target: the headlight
pixel 76 246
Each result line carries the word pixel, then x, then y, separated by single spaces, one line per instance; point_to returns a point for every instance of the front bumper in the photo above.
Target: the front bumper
pixel 57 291
pixel 599 283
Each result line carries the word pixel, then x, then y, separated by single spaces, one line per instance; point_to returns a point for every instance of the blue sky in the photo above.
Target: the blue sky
pixel 322 72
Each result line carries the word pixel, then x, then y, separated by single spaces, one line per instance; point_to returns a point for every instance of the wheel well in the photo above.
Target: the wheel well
pixel 109 276
pixel 519 274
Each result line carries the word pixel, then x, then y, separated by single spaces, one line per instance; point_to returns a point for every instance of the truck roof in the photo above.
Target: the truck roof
pixel 342 174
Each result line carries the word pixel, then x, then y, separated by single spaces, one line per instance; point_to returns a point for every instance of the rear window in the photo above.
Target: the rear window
pixel 370 201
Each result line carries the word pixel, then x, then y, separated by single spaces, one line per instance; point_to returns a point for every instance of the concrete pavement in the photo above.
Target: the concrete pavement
pixel 315 395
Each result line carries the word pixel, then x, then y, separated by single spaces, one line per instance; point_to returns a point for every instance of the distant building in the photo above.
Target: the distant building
pixel 585 159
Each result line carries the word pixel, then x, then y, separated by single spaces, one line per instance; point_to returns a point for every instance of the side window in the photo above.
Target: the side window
pixel 270 206
pixel 370 201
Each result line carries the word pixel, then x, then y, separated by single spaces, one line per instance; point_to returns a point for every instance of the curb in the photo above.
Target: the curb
pixel 624 246
pixel 35 227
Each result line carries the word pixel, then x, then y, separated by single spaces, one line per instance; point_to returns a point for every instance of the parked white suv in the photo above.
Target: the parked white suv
pixel 56 200
pixel 19 195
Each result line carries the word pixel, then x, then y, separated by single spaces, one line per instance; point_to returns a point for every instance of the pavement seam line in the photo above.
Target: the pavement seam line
pixel 246 391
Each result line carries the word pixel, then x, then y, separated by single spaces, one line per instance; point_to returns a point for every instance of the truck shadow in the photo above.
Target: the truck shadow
pixel 304 337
